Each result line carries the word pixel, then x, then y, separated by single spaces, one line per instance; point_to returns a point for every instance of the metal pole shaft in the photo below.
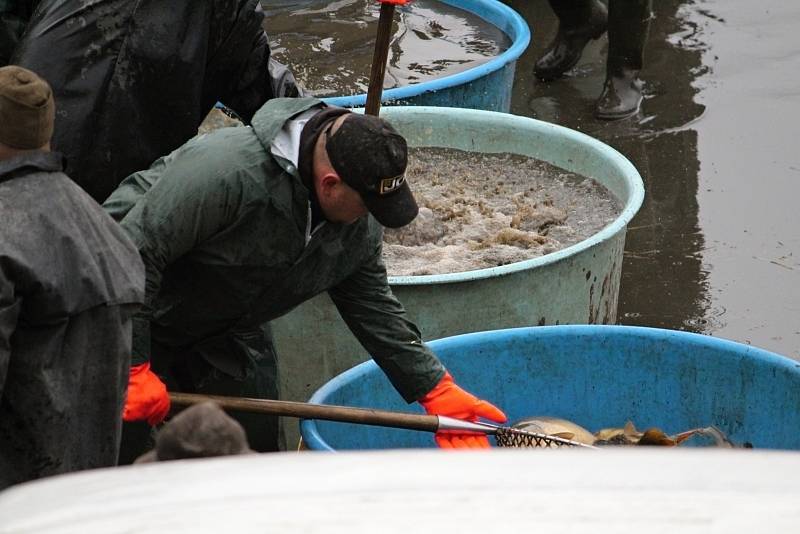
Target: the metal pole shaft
pixel 303 410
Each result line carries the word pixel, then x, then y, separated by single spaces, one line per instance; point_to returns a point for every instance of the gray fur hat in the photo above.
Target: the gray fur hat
pixel 200 431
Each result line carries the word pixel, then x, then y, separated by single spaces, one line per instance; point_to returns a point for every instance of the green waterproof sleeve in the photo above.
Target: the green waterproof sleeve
pixel 132 188
pixel 194 195
pixel 378 320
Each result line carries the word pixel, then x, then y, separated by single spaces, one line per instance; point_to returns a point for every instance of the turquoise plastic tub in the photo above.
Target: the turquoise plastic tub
pixel 596 376
pixel 487 86
pixel 576 285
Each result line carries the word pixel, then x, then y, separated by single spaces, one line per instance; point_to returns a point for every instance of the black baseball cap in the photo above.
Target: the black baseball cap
pixel 371 157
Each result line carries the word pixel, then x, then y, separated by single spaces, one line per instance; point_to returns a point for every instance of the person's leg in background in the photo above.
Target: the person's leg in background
pixel 579 21
pixel 628 27
pixel 260 382
pixel 237 364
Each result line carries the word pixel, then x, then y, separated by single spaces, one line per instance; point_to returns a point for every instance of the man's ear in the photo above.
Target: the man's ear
pixel 328 182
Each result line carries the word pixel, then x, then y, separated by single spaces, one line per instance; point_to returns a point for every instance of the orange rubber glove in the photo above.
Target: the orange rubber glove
pixel 450 400
pixel 147 396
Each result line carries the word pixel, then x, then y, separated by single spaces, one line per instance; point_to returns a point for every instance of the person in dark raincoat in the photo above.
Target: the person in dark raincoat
pixel 70 279
pixel 14 15
pixel 134 80
pixel 627 23
pixel 239 226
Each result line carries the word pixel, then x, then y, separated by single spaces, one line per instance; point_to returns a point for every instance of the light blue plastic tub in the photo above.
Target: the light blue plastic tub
pixel 487 86
pixel 596 376
pixel 575 285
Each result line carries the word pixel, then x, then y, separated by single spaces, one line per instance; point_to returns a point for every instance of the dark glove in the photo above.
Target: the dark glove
pixel 446 398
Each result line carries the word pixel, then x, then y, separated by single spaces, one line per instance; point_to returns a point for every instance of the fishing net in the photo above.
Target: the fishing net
pixel 512 437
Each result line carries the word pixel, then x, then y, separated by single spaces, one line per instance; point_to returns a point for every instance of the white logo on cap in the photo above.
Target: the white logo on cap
pixel 390 184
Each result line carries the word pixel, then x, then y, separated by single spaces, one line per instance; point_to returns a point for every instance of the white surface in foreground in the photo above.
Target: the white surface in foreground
pixel 422 491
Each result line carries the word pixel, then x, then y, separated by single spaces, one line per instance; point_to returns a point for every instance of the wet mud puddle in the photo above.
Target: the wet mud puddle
pixel 328 45
pixel 485 210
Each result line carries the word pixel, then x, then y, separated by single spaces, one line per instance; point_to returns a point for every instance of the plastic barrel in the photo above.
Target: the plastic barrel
pixel 597 376
pixel 576 285
pixel 486 86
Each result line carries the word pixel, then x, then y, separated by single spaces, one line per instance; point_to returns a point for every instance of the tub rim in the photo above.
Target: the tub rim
pixel 310 431
pixel 516 29
pixel 631 176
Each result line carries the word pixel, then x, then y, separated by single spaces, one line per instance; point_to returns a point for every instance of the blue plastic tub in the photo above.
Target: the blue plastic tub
pixel 597 376
pixel 487 86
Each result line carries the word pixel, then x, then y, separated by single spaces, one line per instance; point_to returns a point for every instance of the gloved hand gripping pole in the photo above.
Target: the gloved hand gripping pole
pixel 506 437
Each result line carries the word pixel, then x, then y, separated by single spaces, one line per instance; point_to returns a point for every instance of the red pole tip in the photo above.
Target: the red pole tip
pixel 395 2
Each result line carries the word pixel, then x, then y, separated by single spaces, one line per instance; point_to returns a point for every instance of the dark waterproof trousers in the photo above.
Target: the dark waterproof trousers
pixel 628 26
pixel 14 15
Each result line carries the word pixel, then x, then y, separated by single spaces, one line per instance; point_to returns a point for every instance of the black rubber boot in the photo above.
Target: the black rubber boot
pixel 628 26
pixel 579 21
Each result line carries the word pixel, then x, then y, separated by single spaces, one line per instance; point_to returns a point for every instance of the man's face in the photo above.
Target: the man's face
pixel 340 203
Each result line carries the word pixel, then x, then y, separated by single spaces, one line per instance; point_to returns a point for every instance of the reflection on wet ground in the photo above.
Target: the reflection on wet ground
pixel 716 247
pixel 329 44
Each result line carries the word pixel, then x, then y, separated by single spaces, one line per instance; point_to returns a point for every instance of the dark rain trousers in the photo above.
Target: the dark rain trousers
pixel 70 280
pixel 14 15
pixel 628 27
pixel 133 80
pixel 222 227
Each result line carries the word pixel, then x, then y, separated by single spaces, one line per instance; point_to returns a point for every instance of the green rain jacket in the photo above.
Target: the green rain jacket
pixel 223 228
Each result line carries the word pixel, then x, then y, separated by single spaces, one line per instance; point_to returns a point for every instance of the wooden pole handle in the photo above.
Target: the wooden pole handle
pixel 379 58
pixel 304 410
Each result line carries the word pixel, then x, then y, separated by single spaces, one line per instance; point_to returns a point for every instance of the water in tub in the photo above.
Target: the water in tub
pixel 485 210
pixel 328 44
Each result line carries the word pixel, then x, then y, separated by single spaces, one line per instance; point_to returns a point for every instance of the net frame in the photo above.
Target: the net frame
pixel 523 439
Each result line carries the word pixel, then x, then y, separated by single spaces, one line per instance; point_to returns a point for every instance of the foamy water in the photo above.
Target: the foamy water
pixel 485 210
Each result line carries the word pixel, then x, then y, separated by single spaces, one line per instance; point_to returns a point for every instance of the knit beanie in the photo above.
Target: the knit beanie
pixel 27 109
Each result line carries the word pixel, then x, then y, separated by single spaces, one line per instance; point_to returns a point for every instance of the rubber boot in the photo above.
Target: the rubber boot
pixel 579 21
pixel 628 26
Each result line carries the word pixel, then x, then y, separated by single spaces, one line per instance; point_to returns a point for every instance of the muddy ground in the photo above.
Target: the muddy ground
pixel 716 246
